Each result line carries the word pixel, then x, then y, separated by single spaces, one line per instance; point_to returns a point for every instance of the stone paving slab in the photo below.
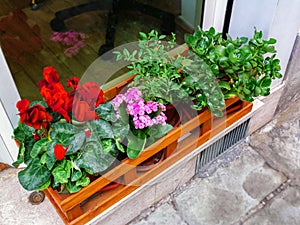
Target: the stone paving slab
pixel 279 142
pixel 164 215
pixel 283 210
pixel 15 208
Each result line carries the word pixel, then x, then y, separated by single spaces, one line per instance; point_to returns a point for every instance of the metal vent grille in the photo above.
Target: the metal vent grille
pixel 221 145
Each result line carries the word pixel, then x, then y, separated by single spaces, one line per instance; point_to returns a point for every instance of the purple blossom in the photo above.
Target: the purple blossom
pixel 139 109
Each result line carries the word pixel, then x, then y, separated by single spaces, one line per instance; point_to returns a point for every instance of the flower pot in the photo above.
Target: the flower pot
pixel 90 201
pixel 151 162
pixel 173 116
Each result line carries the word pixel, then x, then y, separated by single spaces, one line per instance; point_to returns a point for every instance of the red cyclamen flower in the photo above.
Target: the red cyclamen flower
pixel 35 116
pixel 60 151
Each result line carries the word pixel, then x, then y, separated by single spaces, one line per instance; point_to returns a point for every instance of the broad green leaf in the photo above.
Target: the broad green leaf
pixel 61 132
pixel 20 158
pixel 159 130
pixel 72 187
pixel 119 146
pixel 102 128
pixel 75 142
pixel 214 68
pixel 83 181
pixel 143 35
pixel 257 91
pixel 39 147
pixel 135 146
pixel 76 175
pixel 107 145
pixel 28 145
pixel 44 186
pixel 50 160
pixel 120 129
pixel 62 171
pixel 224 84
pixel 94 159
pixel 216 112
pixel 34 175
pixel 265 82
pixel 223 61
pixel 271 41
pixel 106 112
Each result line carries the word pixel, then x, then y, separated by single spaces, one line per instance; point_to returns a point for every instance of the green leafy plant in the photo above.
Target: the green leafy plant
pixel 146 120
pixel 171 77
pixel 243 67
pixel 65 148
pixel 152 60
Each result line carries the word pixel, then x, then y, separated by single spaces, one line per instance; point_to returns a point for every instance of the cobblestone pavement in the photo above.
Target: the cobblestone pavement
pixel 255 182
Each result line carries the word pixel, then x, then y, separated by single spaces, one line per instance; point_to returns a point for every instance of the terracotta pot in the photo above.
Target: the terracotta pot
pixel 151 162
pixel 173 116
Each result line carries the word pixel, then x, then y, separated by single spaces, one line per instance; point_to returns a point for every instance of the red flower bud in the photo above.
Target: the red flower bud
pixel 36 136
pixel 87 133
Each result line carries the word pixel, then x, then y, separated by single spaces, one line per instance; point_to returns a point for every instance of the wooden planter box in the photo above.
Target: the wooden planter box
pixel 86 204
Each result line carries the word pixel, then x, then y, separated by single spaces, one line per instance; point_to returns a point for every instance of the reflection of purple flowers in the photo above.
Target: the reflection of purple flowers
pixel 145 114
pixel 70 38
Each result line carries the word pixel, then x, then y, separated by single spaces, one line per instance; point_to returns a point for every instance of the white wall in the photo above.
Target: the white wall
pixel 284 28
pixel 279 19
pixel 249 14
pixel 8 113
pixel 214 13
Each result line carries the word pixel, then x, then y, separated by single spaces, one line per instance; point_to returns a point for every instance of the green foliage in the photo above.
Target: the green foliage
pixel 243 67
pixel 90 154
pixel 153 60
pixel 138 140
pixel 168 78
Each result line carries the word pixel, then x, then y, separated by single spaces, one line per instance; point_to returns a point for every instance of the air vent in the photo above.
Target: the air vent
pixel 221 145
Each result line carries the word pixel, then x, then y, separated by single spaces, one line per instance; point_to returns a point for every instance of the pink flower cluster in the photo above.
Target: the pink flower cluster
pixel 69 38
pixel 144 114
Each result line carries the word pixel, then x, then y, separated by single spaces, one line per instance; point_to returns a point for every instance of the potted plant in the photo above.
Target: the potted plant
pixel 146 120
pixel 69 138
pixel 172 77
pixel 243 67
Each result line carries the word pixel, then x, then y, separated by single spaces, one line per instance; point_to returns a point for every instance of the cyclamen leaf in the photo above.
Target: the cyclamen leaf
pixel 135 146
pixel 62 171
pixel 44 186
pixel 75 142
pixel 72 187
pixel 83 182
pixel 61 132
pixel 120 129
pixel 76 175
pixel 159 130
pixel 20 158
pixel 94 159
pixel 34 176
pixel 39 147
pixel 106 112
pixel 102 128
